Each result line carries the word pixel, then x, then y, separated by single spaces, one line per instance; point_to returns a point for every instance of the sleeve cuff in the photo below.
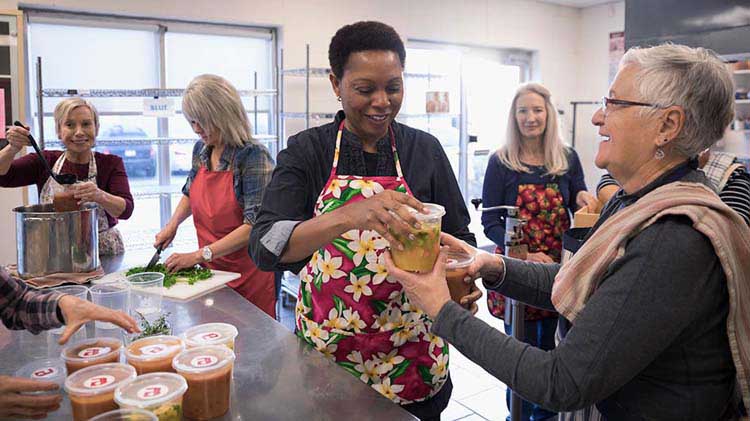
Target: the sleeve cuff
pixel 448 315
pixel 277 237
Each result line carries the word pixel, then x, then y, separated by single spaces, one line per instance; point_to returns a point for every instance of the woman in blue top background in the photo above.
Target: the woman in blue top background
pixel 544 178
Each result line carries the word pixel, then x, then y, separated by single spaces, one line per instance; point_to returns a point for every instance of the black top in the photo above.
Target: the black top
pixel 305 165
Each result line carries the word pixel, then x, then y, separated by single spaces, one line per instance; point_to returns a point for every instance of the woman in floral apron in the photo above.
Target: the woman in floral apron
pixel 101 177
pixel 337 192
pixel 535 172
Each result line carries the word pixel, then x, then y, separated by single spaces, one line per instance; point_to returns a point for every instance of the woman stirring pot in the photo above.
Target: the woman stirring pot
pixel 101 177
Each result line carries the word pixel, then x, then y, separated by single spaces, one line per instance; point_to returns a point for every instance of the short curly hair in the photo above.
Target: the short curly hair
pixel 363 36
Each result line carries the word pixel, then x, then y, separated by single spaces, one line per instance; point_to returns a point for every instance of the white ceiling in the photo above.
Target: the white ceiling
pixel 578 3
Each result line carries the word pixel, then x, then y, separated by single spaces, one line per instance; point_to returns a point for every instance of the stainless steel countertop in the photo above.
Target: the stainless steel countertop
pixel 277 376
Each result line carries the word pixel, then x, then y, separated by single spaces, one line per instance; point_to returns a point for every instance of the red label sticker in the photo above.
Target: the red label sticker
pixel 153 349
pixel 153 391
pixel 204 361
pixel 98 381
pixel 44 372
pixel 94 351
pixel 207 337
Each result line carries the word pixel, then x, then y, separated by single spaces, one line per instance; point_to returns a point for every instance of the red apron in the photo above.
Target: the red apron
pixel 216 213
pixel 351 311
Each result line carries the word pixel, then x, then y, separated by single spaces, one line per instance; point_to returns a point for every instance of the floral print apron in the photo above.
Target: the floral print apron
pixel 351 311
pixel 110 239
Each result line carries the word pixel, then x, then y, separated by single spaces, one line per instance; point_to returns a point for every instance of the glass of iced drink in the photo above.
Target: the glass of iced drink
pixel 153 354
pixel 422 249
pixel 92 389
pixel 208 371
pixel 456 270
pixel 90 352
pixel 159 393
pixel 211 334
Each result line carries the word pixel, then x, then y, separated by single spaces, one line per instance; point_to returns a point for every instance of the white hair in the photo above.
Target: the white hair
pixel 694 79
pixel 66 106
pixel 555 156
pixel 215 104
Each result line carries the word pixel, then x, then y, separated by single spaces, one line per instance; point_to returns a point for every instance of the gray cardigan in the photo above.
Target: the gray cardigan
pixel 651 342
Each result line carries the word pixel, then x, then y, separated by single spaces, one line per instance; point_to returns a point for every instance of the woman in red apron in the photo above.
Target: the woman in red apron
pixel 336 195
pixel 223 190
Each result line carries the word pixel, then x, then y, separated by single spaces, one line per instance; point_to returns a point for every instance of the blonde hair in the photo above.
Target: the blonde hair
pixel 215 104
pixel 66 106
pixel 555 156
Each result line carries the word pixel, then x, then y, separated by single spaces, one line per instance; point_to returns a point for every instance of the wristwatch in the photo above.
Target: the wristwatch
pixel 207 254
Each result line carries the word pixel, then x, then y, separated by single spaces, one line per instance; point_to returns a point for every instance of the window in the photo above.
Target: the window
pixel 122 56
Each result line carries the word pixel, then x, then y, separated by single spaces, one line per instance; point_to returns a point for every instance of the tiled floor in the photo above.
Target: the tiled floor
pixel 477 396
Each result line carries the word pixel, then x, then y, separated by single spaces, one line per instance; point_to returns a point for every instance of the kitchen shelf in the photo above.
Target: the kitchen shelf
pixel 156 191
pixel 326 116
pixel 153 140
pixel 741 72
pixel 324 72
pixel 136 93
pixel 742 101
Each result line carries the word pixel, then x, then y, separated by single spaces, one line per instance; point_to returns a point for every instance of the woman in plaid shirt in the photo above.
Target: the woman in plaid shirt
pixel 24 308
pixel 223 190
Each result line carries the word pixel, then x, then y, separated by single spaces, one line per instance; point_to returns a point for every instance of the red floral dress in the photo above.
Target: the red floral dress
pixel 543 207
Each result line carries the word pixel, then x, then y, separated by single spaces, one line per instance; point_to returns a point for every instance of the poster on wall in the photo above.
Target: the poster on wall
pixel 616 51
pixel 437 102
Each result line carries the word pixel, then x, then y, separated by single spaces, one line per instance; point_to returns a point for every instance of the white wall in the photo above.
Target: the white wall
pixel 593 72
pixel 571 44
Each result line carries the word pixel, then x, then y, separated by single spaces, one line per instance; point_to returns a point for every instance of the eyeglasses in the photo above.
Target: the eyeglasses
pixel 624 103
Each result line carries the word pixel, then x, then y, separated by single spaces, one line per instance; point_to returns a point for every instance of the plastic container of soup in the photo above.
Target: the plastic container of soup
pixel 125 415
pixel 419 254
pixel 211 334
pixel 153 354
pixel 48 370
pixel 456 270
pixel 208 371
pixel 90 352
pixel 158 393
pixel 91 390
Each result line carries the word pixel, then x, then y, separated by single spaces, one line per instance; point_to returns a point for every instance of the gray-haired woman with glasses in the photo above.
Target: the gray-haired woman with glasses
pixel 658 294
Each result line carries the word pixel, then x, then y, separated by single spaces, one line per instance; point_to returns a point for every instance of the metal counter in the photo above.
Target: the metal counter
pixel 277 376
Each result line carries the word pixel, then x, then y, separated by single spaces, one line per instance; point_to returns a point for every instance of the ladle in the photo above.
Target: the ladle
pixel 60 178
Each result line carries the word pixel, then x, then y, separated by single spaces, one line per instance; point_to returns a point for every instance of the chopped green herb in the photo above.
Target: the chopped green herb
pixel 160 326
pixel 192 275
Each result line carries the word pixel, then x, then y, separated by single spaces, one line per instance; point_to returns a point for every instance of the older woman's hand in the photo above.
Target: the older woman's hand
pixel 177 261
pixel 484 264
pixel 88 192
pixel 18 137
pixel 78 312
pixel 469 301
pixel 427 291
pixel 387 213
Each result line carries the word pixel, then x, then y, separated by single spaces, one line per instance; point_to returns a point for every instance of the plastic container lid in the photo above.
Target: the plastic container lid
pixel 89 350
pixel 48 370
pixel 434 212
pixel 458 259
pixel 150 390
pixel 203 359
pixel 210 334
pixel 98 379
pixel 126 415
pixel 153 348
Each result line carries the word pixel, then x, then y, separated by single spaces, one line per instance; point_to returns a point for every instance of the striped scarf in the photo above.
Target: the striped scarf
pixel 730 236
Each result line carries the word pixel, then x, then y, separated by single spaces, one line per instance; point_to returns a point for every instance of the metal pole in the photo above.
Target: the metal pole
pixel 39 102
pixel 514 308
pixel 255 102
pixel 307 86
pixel 162 127
pixel 280 127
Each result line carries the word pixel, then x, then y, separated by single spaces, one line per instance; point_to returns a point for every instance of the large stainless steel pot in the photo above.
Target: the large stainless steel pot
pixel 51 242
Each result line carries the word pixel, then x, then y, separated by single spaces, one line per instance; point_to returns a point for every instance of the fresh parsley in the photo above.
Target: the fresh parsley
pixel 192 275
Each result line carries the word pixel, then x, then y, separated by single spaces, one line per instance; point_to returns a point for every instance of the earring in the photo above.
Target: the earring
pixel 338 98
pixel 659 155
